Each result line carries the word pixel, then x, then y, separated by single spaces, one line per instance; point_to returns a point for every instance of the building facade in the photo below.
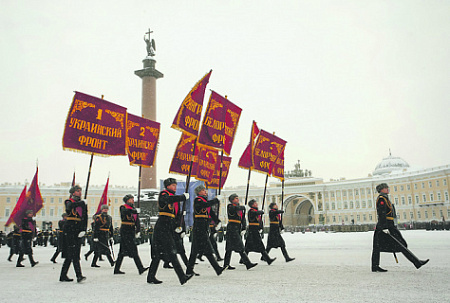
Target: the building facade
pixel 418 196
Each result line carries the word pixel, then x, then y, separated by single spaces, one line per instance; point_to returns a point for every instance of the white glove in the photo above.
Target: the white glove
pixel 184 213
pixel 110 239
pixel 138 210
pixel 138 235
pixel 95 240
pixel 182 235
pixel 386 231
pixel 178 230
pixel 219 197
pixel 218 226
pixel 282 231
pixel 242 232
pixel 81 234
pixel 186 195
pixel 34 239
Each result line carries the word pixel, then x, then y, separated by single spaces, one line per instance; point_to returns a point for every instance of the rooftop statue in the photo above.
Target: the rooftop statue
pixel 151 48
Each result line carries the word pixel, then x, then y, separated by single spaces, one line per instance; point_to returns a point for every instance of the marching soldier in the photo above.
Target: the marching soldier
pixel 74 230
pixel 28 232
pixel 103 231
pixel 201 243
pixel 236 223
pixel 60 237
pixel 254 241
pixel 163 245
pixel 387 238
pixel 14 242
pixel 129 230
pixel 275 240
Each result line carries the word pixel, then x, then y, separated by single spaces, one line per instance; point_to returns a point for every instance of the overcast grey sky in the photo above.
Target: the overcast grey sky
pixel 341 81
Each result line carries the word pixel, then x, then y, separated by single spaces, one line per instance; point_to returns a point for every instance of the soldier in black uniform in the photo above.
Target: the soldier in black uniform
pixel 60 237
pixel 201 243
pixel 129 230
pixel 236 225
pixel 275 240
pixel 102 232
pixel 254 242
pixel 28 233
pixel 163 245
pixel 14 242
pixel 74 230
pixel 387 238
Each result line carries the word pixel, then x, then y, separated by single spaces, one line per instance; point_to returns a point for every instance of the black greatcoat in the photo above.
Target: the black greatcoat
pixel 28 232
pixel 386 215
pixel 103 230
pixel 275 239
pixel 74 225
pixel 254 241
pixel 236 216
pixel 163 237
pixel 200 239
pixel 128 230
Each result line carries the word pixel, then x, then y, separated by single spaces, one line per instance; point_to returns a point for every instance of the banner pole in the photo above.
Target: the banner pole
pixel 88 177
pixel 139 187
pixel 282 200
pixel 220 171
pixel 188 180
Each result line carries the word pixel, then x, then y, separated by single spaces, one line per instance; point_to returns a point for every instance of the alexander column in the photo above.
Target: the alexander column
pixel 149 74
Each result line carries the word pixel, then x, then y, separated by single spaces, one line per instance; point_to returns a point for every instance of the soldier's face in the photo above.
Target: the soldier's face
pixel 77 193
pixel 130 201
pixel 105 211
pixel 236 200
pixel 172 187
pixel 275 206
pixel 202 192
pixel 385 190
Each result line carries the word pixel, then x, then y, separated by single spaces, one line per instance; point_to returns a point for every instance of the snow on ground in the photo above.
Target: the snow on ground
pixel 329 267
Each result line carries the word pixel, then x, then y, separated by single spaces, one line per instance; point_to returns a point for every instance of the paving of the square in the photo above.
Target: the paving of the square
pixel 329 267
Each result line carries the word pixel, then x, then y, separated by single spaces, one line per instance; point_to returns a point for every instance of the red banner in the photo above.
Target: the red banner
pixel 14 217
pixel 96 126
pixel 181 160
pixel 189 114
pixel 220 123
pixel 103 199
pixel 246 160
pixel 278 167
pixel 208 160
pixel 267 149
pixel 142 140
pixel 226 163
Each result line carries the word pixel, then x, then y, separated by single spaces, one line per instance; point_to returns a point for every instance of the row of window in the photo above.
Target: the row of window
pixel 357 192
pixel 430 185
pixel 431 198
pixel 348 205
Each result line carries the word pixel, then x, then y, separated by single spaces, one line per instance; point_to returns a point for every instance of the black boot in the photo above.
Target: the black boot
pixel 376 268
pixel 421 263
pixel 33 263
pixel 19 261
pixel 118 264
pixel 140 267
pixel 285 254
pixel 167 265
pixel 55 255
pixel 219 269
pixel 267 258
pixel 152 271
pixel 110 259
pixel 247 261
pixel 94 261
pixel 77 267
pixel 65 268
pixel 182 277
pixel 9 258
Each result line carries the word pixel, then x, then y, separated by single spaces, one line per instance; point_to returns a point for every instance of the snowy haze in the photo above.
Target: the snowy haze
pixel 341 81
pixel 329 267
